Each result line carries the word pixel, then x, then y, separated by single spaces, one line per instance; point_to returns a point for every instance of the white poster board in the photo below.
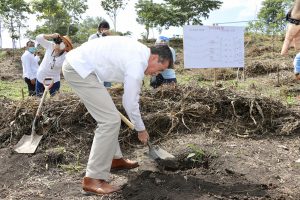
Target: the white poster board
pixel 213 46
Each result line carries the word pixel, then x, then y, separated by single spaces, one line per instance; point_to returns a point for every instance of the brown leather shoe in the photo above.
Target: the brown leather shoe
pixel 118 164
pixel 97 186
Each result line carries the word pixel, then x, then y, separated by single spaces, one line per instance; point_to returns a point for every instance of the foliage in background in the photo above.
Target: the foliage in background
pixel 74 8
pixel 147 13
pixel 111 7
pixel 85 28
pixel 13 13
pixel 53 15
pixel 174 12
pixel 271 17
pixel 57 16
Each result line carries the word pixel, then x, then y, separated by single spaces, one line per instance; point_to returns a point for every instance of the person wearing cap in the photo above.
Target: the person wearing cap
pixel 103 30
pixel 30 66
pixel 51 64
pixel 168 76
pixel 118 59
pixel 292 36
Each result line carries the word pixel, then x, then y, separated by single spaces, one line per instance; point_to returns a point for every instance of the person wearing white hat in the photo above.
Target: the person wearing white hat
pixel 51 64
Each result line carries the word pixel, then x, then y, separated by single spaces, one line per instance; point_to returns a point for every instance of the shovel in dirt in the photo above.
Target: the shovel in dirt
pixel 155 152
pixel 29 143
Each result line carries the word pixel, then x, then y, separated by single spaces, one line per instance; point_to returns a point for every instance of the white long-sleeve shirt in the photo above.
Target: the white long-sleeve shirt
pixel 30 65
pixel 50 65
pixel 94 36
pixel 115 59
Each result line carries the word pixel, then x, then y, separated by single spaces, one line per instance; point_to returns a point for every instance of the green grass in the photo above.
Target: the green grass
pixel 2 54
pixel 13 89
pixel 254 86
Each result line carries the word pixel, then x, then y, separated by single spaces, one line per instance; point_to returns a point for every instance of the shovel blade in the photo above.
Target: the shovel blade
pixel 28 143
pixel 159 153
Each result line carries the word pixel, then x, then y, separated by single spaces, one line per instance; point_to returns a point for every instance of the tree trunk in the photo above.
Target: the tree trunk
pixel 0 33
pixel 147 32
pixel 19 31
pixel 115 20
pixel 12 37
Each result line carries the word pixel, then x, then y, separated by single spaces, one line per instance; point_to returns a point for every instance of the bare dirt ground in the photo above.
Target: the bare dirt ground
pixel 250 146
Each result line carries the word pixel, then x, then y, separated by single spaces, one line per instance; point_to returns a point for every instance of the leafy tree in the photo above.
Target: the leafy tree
pixel 191 12
pixel 174 12
pixel 85 28
pixel 53 14
pixel 112 7
pixel 74 8
pixel 271 17
pixel 148 12
pixel 13 14
pixel 59 16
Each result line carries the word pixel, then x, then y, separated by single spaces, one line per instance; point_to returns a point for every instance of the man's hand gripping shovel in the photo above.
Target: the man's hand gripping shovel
pixel 29 143
pixel 161 156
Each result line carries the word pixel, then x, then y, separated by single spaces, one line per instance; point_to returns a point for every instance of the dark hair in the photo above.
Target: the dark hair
pixel 30 42
pixel 164 53
pixel 57 40
pixel 103 24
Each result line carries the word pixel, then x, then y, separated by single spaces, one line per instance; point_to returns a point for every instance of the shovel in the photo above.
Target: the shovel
pixel 155 152
pixel 29 143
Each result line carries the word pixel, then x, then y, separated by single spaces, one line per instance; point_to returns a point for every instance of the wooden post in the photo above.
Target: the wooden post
pixel 215 77
pixel 22 92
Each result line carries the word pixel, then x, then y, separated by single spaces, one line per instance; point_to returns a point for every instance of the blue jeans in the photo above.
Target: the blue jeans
pixel 39 88
pixel 107 84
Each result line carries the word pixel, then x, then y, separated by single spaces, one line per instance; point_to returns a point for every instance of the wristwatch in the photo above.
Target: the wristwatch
pixel 291 20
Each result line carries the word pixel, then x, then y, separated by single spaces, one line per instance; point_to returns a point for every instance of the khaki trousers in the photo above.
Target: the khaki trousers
pixel 99 104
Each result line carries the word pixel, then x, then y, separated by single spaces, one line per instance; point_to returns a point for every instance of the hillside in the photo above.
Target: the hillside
pixel 234 137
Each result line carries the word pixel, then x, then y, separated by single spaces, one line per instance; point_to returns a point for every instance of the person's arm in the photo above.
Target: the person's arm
pixel 132 89
pixel 292 36
pixel 42 39
pixel 295 14
pixel 130 100
pixel 26 65
pixel 32 68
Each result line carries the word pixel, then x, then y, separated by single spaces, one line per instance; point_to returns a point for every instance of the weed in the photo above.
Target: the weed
pixel 290 100
pixel 72 167
pixel 197 154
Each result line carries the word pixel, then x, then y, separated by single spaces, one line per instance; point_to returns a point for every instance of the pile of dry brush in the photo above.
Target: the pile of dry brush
pixel 166 112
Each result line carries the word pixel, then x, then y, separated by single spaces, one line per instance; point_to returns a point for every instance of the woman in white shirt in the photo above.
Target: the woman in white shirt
pixel 51 64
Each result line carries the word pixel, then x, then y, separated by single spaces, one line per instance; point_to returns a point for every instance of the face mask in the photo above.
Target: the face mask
pixel 62 46
pixel 32 49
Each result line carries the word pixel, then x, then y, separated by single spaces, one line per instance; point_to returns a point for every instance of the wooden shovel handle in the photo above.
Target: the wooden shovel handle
pixel 126 121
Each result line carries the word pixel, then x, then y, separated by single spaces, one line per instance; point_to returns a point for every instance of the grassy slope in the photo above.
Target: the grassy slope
pixel 260 49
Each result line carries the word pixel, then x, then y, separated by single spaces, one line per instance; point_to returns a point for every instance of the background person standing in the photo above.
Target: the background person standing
pixel 30 66
pixel 103 30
